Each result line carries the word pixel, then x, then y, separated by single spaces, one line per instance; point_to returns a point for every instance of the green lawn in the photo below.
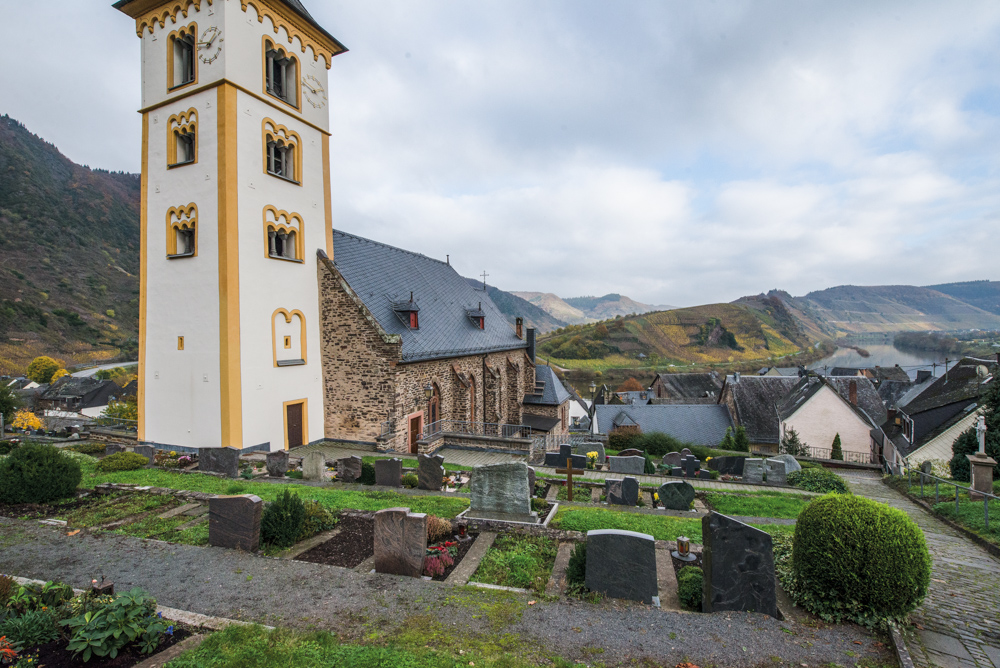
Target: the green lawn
pixel 758 504
pixel 970 513
pixel 516 560
pixel 660 527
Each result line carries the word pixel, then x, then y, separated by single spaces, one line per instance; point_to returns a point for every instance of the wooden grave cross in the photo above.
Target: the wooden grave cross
pixel 569 471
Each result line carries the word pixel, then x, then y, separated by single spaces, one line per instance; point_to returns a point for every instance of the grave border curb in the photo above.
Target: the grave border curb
pixel 899 644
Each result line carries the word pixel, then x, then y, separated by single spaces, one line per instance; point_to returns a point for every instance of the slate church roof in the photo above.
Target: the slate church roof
pixel 698 424
pixel 554 393
pixel 381 276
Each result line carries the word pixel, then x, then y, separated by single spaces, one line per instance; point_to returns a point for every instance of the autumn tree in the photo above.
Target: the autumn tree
pixel 42 369
pixel 631 385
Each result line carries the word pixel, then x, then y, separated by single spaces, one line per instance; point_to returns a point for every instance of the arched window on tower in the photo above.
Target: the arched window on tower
pixel 281 77
pixel 182 231
pixel 283 235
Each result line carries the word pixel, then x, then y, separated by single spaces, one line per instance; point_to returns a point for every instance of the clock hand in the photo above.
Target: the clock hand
pixel 213 38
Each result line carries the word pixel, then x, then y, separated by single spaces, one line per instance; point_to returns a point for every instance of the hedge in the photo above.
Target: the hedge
pixel 38 473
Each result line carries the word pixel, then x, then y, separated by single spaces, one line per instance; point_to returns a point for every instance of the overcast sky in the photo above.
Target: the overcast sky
pixel 676 152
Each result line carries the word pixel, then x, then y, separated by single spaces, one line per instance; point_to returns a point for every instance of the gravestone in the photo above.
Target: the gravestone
pixel 219 460
pixel 691 466
pixel 348 468
pixel 234 522
pixel 738 565
pixel 630 452
pixel 676 495
pixel 430 471
pixel 591 446
pixel 608 551
pixel 623 492
pixel 776 472
pixel 558 459
pixel 277 463
pixel 636 465
pixel 925 470
pixel 672 459
pixel 685 452
pixel 147 451
pixel 314 466
pixel 400 542
pixel 704 474
pixel 727 465
pixel 113 449
pixel 501 492
pixel 790 464
pixel 677 472
pixel 753 471
pixel 389 472
pixel 531 481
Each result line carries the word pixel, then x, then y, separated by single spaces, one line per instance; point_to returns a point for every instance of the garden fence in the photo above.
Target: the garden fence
pixel 927 478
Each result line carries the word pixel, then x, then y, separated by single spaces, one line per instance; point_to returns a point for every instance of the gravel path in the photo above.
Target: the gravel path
pixel 215 581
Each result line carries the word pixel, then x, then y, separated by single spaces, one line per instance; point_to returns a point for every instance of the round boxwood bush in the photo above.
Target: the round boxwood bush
pixel 818 480
pixel 38 473
pixel 122 461
pixel 689 587
pixel 859 560
pixel 282 520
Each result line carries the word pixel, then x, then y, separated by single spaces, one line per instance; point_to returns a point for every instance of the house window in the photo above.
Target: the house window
pixel 283 235
pixel 435 405
pixel 281 74
pixel 181 60
pixel 182 231
pixel 415 324
pixel 281 159
pixel 181 140
pixel 477 316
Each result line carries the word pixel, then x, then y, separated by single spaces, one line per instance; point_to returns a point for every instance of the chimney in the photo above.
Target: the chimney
pixel 852 391
pixel 531 344
pixel 519 327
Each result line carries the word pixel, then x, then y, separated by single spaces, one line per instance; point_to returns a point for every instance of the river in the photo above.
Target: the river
pixel 884 355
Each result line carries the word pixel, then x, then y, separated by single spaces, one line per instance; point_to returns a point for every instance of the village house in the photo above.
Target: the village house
pixel 86 396
pixel 793 371
pixel 697 424
pixel 877 374
pixel 685 388
pixel 547 409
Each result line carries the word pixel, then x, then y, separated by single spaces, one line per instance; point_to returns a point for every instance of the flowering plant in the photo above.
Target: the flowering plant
pixel 440 557
pixel 183 460
pixel 7 651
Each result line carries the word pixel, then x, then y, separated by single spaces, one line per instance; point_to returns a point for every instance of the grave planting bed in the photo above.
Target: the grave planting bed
pixel 518 560
pixel 38 511
pixel 55 655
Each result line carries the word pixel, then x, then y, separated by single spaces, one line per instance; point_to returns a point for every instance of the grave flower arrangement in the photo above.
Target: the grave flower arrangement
pixel 440 557
pixel 591 460
pixel 167 460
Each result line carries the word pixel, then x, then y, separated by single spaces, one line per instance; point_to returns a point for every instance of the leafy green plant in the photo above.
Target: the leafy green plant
pixel 316 520
pixel 129 617
pixel 122 461
pixel 689 587
pixel 837 451
pixel 649 468
pixel 367 474
pixel 818 480
pixel 410 480
pixel 37 473
pixel 537 504
pixel 859 560
pixel 741 442
pixel 88 448
pixel 282 520
pixel 34 627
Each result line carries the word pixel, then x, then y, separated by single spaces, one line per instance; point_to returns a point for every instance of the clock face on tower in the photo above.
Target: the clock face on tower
pixel 210 44
pixel 313 89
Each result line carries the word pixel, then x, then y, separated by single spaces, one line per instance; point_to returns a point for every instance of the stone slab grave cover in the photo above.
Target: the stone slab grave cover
pixel 776 472
pixel 790 464
pixel 501 492
pixel 729 465
pixel 672 459
pixel 630 452
pixel 147 451
pixel 753 471
pixel 676 495
pixel 220 460
pixel 430 471
pixel 234 522
pixel 622 564
pixel 400 542
pixel 590 446
pixel 314 466
pixel 738 562
pixel 623 492
pixel 636 465
pixel 277 463
pixel 389 472
pixel 348 468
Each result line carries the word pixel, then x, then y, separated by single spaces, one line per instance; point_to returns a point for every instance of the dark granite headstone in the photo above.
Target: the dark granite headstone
pixel 738 562
pixel 691 466
pixel 277 463
pixel 677 472
pixel 531 481
pixel 622 492
pixel 630 452
pixel 552 460
pixel 389 472
pixel 727 465
pixel 634 465
pixel 430 471
pixel 705 474
pixel 622 564
pixel 234 522
pixel 590 446
pixel 400 542
pixel 220 460
pixel 501 492
pixel 676 495
pixel 113 449
pixel 558 459
pixel 672 459
pixel 147 451
pixel 348 468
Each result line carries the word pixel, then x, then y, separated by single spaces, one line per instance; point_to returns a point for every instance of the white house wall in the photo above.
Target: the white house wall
pixel 823 416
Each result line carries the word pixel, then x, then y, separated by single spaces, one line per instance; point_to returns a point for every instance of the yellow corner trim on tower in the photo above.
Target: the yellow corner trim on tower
pixel 229 273
pixel 288 315
pixel 143 237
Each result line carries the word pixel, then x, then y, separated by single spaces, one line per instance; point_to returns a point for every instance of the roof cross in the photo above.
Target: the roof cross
pixel 484 280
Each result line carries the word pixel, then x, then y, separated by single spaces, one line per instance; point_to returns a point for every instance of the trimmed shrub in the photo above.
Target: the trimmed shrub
pixel 818 480
pixel 122 461
pixel 410 480
pixel 623 438
pixel 38 473
pixel 367 474
pixel 88 448
pixel 727 441
pixel 657 444
pixel 837 451
pixel 7 447
pixel 859 560
pixel 316 520
pixel 649 466
pixel 689 587
pixel 282 520
pixel 741 442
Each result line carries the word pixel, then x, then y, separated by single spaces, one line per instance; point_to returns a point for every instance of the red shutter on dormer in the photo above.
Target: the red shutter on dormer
pixel 413 320
pixel 482 323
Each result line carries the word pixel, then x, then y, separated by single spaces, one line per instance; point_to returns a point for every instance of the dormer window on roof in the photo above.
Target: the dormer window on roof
pixel 477 316
pixel 407 312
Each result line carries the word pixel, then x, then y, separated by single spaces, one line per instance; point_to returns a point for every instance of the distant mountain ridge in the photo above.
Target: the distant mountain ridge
pixel 581 310
pixel 514 307
pixel 981 294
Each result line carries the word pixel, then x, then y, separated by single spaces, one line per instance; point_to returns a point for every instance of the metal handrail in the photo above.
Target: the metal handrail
pixel 849 455
pixel 475 429
pixel 937 492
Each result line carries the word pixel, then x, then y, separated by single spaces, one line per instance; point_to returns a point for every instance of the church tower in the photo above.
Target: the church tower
pixel 235 204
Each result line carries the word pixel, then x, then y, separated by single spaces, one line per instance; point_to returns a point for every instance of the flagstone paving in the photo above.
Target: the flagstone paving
pixel 959 622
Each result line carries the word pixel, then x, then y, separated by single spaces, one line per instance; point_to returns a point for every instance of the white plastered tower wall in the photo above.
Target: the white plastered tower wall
pixel 231 303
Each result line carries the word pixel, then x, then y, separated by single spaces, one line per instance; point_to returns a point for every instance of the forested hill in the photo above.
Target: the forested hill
pixel 69 254
pixel 982 294
pixel 514 307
